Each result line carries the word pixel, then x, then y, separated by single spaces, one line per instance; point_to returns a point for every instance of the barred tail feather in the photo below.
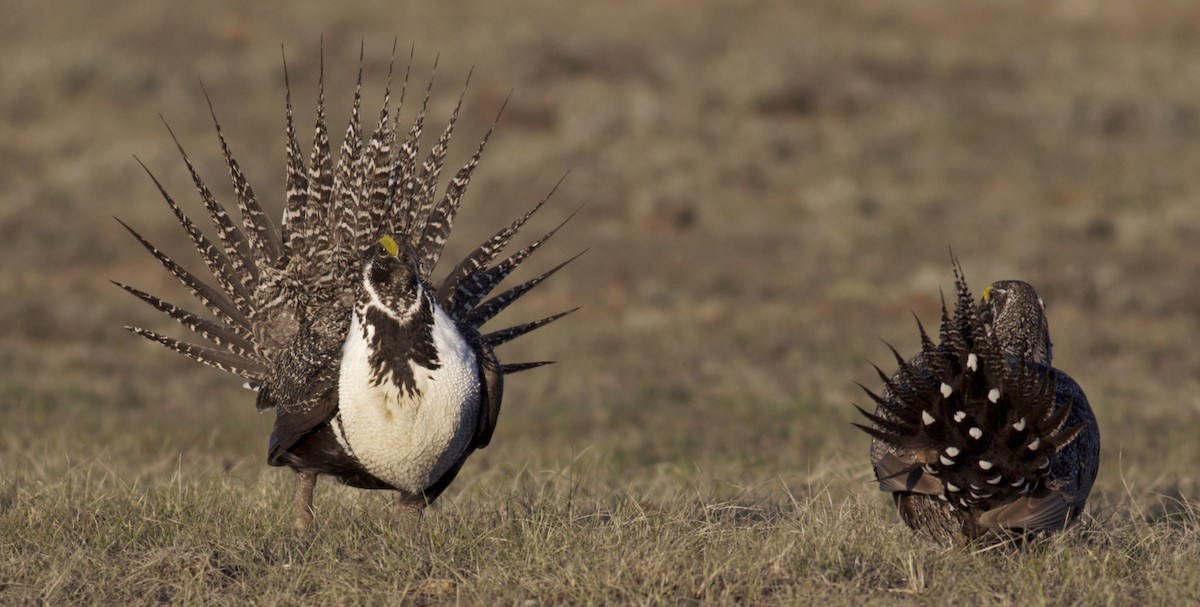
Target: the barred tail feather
pixel 441 220
pixel 320 192
pixel 219 359
pixel 511 368
pixel 216 260
pixel 408 179
pixel 485 253
pixel 431 171
pixel 503 336
pixel 490 308
pixel 218 334
pixel 348 181
pixel 232 239
pixel 379 170
pixel 388 218
pixel 295 231
pixel 210 297
pixel 470 292
pixel 259 229
pixel 926 343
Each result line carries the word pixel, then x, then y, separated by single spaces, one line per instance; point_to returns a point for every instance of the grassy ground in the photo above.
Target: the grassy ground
pixel 768 189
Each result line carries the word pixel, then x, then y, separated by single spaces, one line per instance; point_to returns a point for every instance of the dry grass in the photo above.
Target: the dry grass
pixel 767 189
pixel 568 535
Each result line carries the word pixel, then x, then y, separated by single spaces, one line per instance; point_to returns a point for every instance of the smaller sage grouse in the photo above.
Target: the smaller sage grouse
pixel 978 437
pixel 379 376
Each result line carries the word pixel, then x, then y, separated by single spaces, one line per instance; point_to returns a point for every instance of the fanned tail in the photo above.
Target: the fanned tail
pixel 260 231
pixel 218 359
pixel 295 229
pixel 473 279
pixel 238 266
pixel 378 172
pixel 407 179
pixel 237 249
pixel 441 219
pixel 231 305
pixel 423 203
pixel 317 266
pixel 348 185
pixel 983 425
pixel 332 213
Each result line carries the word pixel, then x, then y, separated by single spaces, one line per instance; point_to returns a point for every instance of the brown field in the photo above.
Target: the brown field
pixel 767 189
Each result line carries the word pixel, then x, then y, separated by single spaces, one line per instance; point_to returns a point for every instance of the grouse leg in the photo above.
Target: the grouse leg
pixel 408 513
pixel 302 507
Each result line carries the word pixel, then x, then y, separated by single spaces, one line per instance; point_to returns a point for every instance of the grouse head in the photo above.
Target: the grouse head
pixel 391 278
pixel 1015 317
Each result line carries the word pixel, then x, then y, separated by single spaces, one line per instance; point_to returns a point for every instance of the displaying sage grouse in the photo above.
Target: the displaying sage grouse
pixel 379 376
pixel 978 437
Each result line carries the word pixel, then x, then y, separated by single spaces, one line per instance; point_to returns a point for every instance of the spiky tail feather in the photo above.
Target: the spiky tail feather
pixel 331 215
pixel 984 425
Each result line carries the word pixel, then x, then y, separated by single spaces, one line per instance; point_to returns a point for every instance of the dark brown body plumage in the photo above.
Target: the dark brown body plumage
pixel 978 437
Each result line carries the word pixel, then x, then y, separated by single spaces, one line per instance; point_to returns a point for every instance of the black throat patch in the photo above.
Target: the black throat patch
pixel 396 344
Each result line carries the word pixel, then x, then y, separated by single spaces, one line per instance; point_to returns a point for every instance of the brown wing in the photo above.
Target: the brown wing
pixel 296 421
pixel 1045 510
pixel 897 474
pixel 492 394
pixel 303 388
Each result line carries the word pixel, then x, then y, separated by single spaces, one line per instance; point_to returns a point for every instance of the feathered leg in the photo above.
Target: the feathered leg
pixel 302 506
pixel 408 513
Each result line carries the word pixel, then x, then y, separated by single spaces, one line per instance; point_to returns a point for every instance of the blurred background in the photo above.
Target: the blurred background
pixel 766 190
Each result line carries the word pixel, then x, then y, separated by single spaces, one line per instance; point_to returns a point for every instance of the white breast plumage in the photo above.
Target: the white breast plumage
pixel 408 441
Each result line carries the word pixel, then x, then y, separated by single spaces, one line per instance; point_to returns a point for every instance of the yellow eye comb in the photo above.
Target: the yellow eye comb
pixel 390 245
pixel 987 292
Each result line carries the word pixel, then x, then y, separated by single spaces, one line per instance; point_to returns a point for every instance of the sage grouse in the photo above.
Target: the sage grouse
pixel 978 437
pixel 379 376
